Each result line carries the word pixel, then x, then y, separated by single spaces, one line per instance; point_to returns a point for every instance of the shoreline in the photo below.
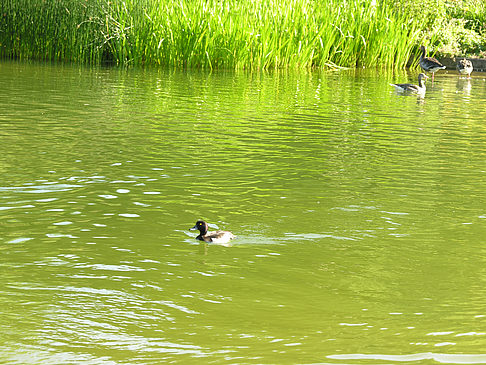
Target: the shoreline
pixel 479 64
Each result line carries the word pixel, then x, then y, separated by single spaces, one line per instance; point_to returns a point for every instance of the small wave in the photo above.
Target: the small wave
pixel 37 189
pixel 441 358
pixel 313 236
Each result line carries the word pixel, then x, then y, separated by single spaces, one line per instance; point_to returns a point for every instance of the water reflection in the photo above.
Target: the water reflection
pixel 359 216
pixel 464 86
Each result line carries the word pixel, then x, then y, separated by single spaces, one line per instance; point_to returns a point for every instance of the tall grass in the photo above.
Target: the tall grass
pixel 237 34
pixel 49 30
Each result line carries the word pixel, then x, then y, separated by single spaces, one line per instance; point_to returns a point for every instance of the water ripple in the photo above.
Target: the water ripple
pixel 441 358
pixel 40 189
pixel 359 217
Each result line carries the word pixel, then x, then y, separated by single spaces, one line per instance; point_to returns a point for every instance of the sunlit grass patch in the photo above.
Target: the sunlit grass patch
pixel 235 34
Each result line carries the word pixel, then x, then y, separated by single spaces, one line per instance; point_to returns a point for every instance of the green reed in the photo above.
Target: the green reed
pixel 49 30
pixel 237 34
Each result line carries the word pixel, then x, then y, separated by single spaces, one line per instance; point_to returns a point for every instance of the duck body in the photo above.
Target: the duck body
pixel 465 67
pixel 429 64
pixel 221 237
pixel 420 88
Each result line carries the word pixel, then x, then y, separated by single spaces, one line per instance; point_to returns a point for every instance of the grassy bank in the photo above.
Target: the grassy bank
pixel 259 34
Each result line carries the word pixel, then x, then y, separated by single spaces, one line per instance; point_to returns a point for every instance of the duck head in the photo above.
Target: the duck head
pixel 421 79
pixel 422 49
pixel 201 226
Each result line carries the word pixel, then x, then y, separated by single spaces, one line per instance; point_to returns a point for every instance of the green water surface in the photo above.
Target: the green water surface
pixel 360 215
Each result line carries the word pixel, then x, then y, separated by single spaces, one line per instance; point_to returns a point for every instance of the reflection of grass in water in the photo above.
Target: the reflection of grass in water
pixel 208 34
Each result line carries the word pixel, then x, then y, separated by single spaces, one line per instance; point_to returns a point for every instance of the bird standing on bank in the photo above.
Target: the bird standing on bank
pixel 465 67
pixel 430 64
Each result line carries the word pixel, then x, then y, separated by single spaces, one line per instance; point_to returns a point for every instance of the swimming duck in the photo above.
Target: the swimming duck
pixel 430 64
pixel 221 237
pixel 465 67
pixel 420 88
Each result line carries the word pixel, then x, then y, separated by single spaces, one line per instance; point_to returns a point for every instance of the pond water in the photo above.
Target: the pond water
pixel 360 215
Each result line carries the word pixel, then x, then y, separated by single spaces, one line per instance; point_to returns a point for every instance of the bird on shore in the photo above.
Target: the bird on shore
pixel 221 237
pixel 430 64
pixel 465 67
pixel 420 88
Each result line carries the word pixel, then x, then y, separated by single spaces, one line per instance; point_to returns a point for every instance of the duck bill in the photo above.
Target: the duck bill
pixel 194 228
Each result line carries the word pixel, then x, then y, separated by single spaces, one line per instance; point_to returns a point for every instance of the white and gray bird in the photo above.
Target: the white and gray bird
pixel 420 88
pixel 465 67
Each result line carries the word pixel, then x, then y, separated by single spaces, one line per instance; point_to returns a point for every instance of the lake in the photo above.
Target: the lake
pixel 360 217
